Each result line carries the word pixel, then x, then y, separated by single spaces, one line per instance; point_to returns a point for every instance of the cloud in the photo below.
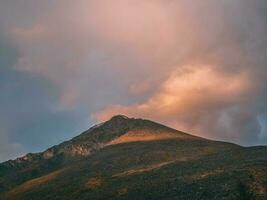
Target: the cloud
pixel 195 65
pixel 95 40
pixel 29 121
pixel 196 99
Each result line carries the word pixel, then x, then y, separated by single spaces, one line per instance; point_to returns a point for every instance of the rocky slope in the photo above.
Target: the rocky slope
pixel 127 158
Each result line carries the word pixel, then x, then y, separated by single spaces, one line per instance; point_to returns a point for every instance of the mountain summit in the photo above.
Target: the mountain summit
pixel 128 158
pixel 119 129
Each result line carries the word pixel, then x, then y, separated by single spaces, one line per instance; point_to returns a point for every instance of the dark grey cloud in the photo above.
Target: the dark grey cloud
pixel 28 120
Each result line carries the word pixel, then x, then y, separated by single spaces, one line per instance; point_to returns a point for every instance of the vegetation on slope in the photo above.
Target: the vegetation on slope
pixel 182 167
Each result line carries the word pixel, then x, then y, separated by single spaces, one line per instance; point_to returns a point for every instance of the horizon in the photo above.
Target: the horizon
pixel 199 67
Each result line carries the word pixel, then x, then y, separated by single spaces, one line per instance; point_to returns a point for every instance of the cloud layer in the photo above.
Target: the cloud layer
pixel 196 99
pixel 198 66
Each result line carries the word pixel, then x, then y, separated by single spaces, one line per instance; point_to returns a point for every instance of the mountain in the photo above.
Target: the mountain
pixel 128 158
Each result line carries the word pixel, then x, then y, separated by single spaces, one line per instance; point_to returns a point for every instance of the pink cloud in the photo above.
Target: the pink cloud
pixel 189 99
pixel 194 65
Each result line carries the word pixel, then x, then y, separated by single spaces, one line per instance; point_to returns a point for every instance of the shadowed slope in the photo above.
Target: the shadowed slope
pixel 116 130
pixel 137 159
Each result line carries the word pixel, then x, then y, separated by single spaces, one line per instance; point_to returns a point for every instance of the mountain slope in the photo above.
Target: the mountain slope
pixel 127 158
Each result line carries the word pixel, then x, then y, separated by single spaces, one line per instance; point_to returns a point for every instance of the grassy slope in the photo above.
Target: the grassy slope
pixel 16 172
pixel 189 168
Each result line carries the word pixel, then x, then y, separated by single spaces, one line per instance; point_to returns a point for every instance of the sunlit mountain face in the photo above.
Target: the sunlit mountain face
pixel 128 158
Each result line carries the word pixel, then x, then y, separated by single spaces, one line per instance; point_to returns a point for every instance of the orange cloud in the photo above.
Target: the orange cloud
pixel 187 97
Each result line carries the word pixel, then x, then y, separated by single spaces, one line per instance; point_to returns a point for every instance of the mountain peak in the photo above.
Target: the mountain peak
pixel 131 154
pixel 119 117
pixel 118 120
pixel 119 129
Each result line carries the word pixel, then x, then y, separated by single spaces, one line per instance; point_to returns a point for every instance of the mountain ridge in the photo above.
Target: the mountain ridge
pixel 115 121
pixel 123 151
pixel 85 144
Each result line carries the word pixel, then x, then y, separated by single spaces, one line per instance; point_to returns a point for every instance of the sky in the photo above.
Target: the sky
pixel 197 66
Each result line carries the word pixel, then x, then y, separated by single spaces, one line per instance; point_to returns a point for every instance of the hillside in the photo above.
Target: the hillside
pixel 127 158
